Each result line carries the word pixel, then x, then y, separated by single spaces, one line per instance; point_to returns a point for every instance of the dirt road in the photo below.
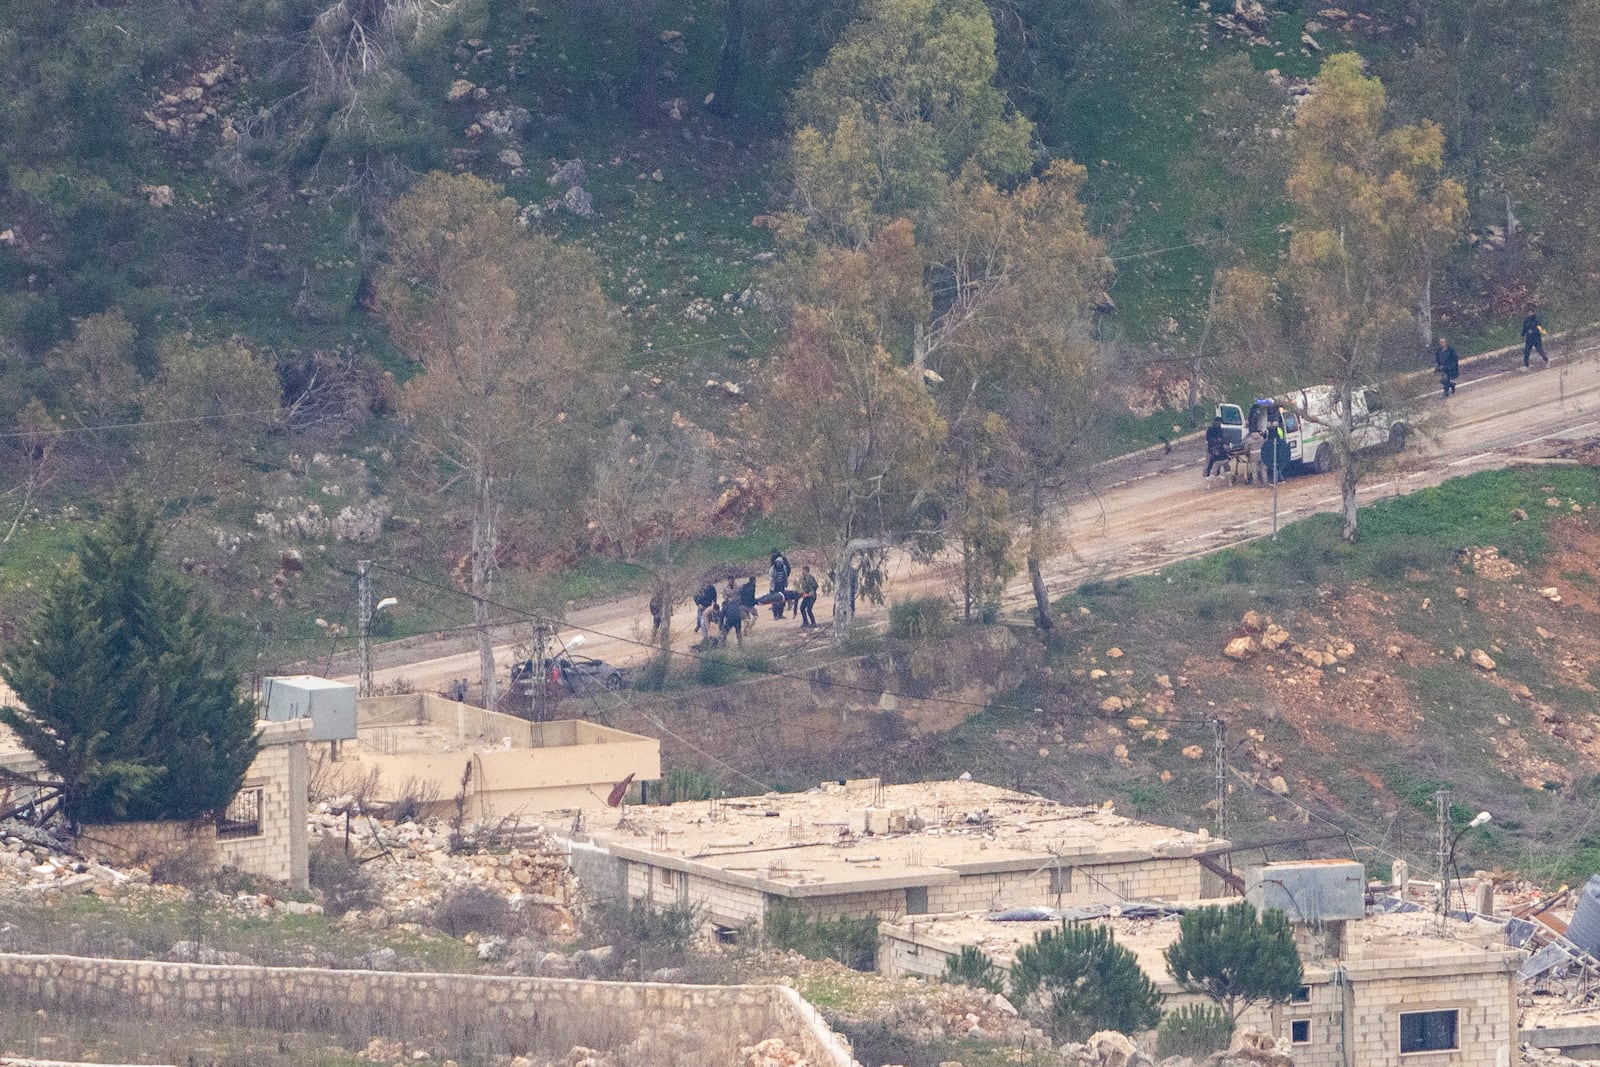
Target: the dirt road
pixel 1152 509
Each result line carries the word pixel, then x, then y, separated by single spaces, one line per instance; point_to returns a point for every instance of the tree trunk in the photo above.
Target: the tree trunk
pixel 844 591
pixel 1425 302
pixel 731 60
pixel 1347 468
pixel 1347 490
pixel 1036 520
pixel 847 582
pixel 483 566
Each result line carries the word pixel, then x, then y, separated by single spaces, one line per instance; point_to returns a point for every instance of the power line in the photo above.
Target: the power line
pixel 62 431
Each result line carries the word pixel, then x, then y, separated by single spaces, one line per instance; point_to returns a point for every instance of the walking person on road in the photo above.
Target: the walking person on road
pixel 1447 364
pixel 808 597
pixel 1532 338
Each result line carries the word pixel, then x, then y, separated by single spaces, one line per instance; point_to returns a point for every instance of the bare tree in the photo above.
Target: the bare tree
pixel 513 335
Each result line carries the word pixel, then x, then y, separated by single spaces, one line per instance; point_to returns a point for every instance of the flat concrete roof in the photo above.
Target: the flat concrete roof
pixel 1378 943
pixel 812 844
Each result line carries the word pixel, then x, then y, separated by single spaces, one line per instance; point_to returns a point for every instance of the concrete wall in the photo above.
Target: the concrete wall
pixel 278 852
pixel 728 903
pixel 490 1012
pixel 518 766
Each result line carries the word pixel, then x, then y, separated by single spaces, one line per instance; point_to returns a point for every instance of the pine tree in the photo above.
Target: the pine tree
pixel 1227 955
pixel 1087 982
pixel 126 694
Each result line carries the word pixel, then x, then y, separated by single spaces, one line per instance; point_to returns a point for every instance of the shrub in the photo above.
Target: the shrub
pixel 974 968
pixel 852 942
pixel 648 938
pixel 1195 1031
pixel 920 618
pixel 684 783
pixel 715 668
pixel 342 882
pixel 473 909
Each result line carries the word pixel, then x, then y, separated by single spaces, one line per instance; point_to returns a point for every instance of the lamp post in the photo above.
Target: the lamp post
pixel 365 611
pixel 1480 819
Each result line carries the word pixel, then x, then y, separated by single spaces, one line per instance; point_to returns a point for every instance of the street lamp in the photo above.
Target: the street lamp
pixel 1480 819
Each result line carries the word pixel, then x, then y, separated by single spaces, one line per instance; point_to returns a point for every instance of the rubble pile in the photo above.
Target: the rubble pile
pixel 33 860
pixel 415 870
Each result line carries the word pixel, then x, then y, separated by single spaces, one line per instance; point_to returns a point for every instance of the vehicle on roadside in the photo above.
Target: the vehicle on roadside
pixel 558 667
pixel 1311 417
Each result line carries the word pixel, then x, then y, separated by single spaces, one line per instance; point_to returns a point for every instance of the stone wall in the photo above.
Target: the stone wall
pixel 492 1013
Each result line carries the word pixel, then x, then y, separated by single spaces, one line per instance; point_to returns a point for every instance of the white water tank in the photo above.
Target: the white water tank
pixel 331 706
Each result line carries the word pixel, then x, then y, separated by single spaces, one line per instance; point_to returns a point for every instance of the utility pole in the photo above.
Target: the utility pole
pixel 1222 778
pixel 364 633
pixel 1441 800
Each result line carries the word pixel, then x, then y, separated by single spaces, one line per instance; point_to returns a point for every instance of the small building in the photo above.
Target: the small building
pixel 854 849
pixel 1400 989
pixel 419 747
pixel 262 832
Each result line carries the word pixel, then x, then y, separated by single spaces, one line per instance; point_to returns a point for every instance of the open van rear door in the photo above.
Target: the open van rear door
pixel 1232 416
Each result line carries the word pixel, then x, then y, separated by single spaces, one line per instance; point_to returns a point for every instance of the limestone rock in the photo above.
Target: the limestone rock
pixel 1096 674
pixel 510 157
pixel 1111 1049
pixel 1482 660
pixel 159 195
pixel 1274 637
pixel 1193 752
pixel 1111 704
pixel 1240 648
pixel 1278 785
pixel 1251 1048
pixel 460 90
pixel 1113 653
pixel 1252 622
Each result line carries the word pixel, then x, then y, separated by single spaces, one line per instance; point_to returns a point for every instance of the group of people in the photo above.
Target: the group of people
pixel 1448 364
pixel 739 603
pixel 1265 435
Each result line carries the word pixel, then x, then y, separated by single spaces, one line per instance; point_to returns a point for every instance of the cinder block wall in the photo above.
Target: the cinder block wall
pixel 278 852
pixel 422 1007
pixel 280 772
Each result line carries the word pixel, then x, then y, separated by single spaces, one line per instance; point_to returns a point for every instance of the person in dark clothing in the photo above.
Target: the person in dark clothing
pixel 1274 448
pixel 1532 337
pixel 747 594
pixel 1216 445
pixel 1447 364
pixel 732 621
pixel 778 573
pixel 808 597
pixel 705 601
pixel 655 613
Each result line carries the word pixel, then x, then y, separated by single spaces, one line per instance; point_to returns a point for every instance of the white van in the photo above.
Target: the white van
pixel 1307 415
